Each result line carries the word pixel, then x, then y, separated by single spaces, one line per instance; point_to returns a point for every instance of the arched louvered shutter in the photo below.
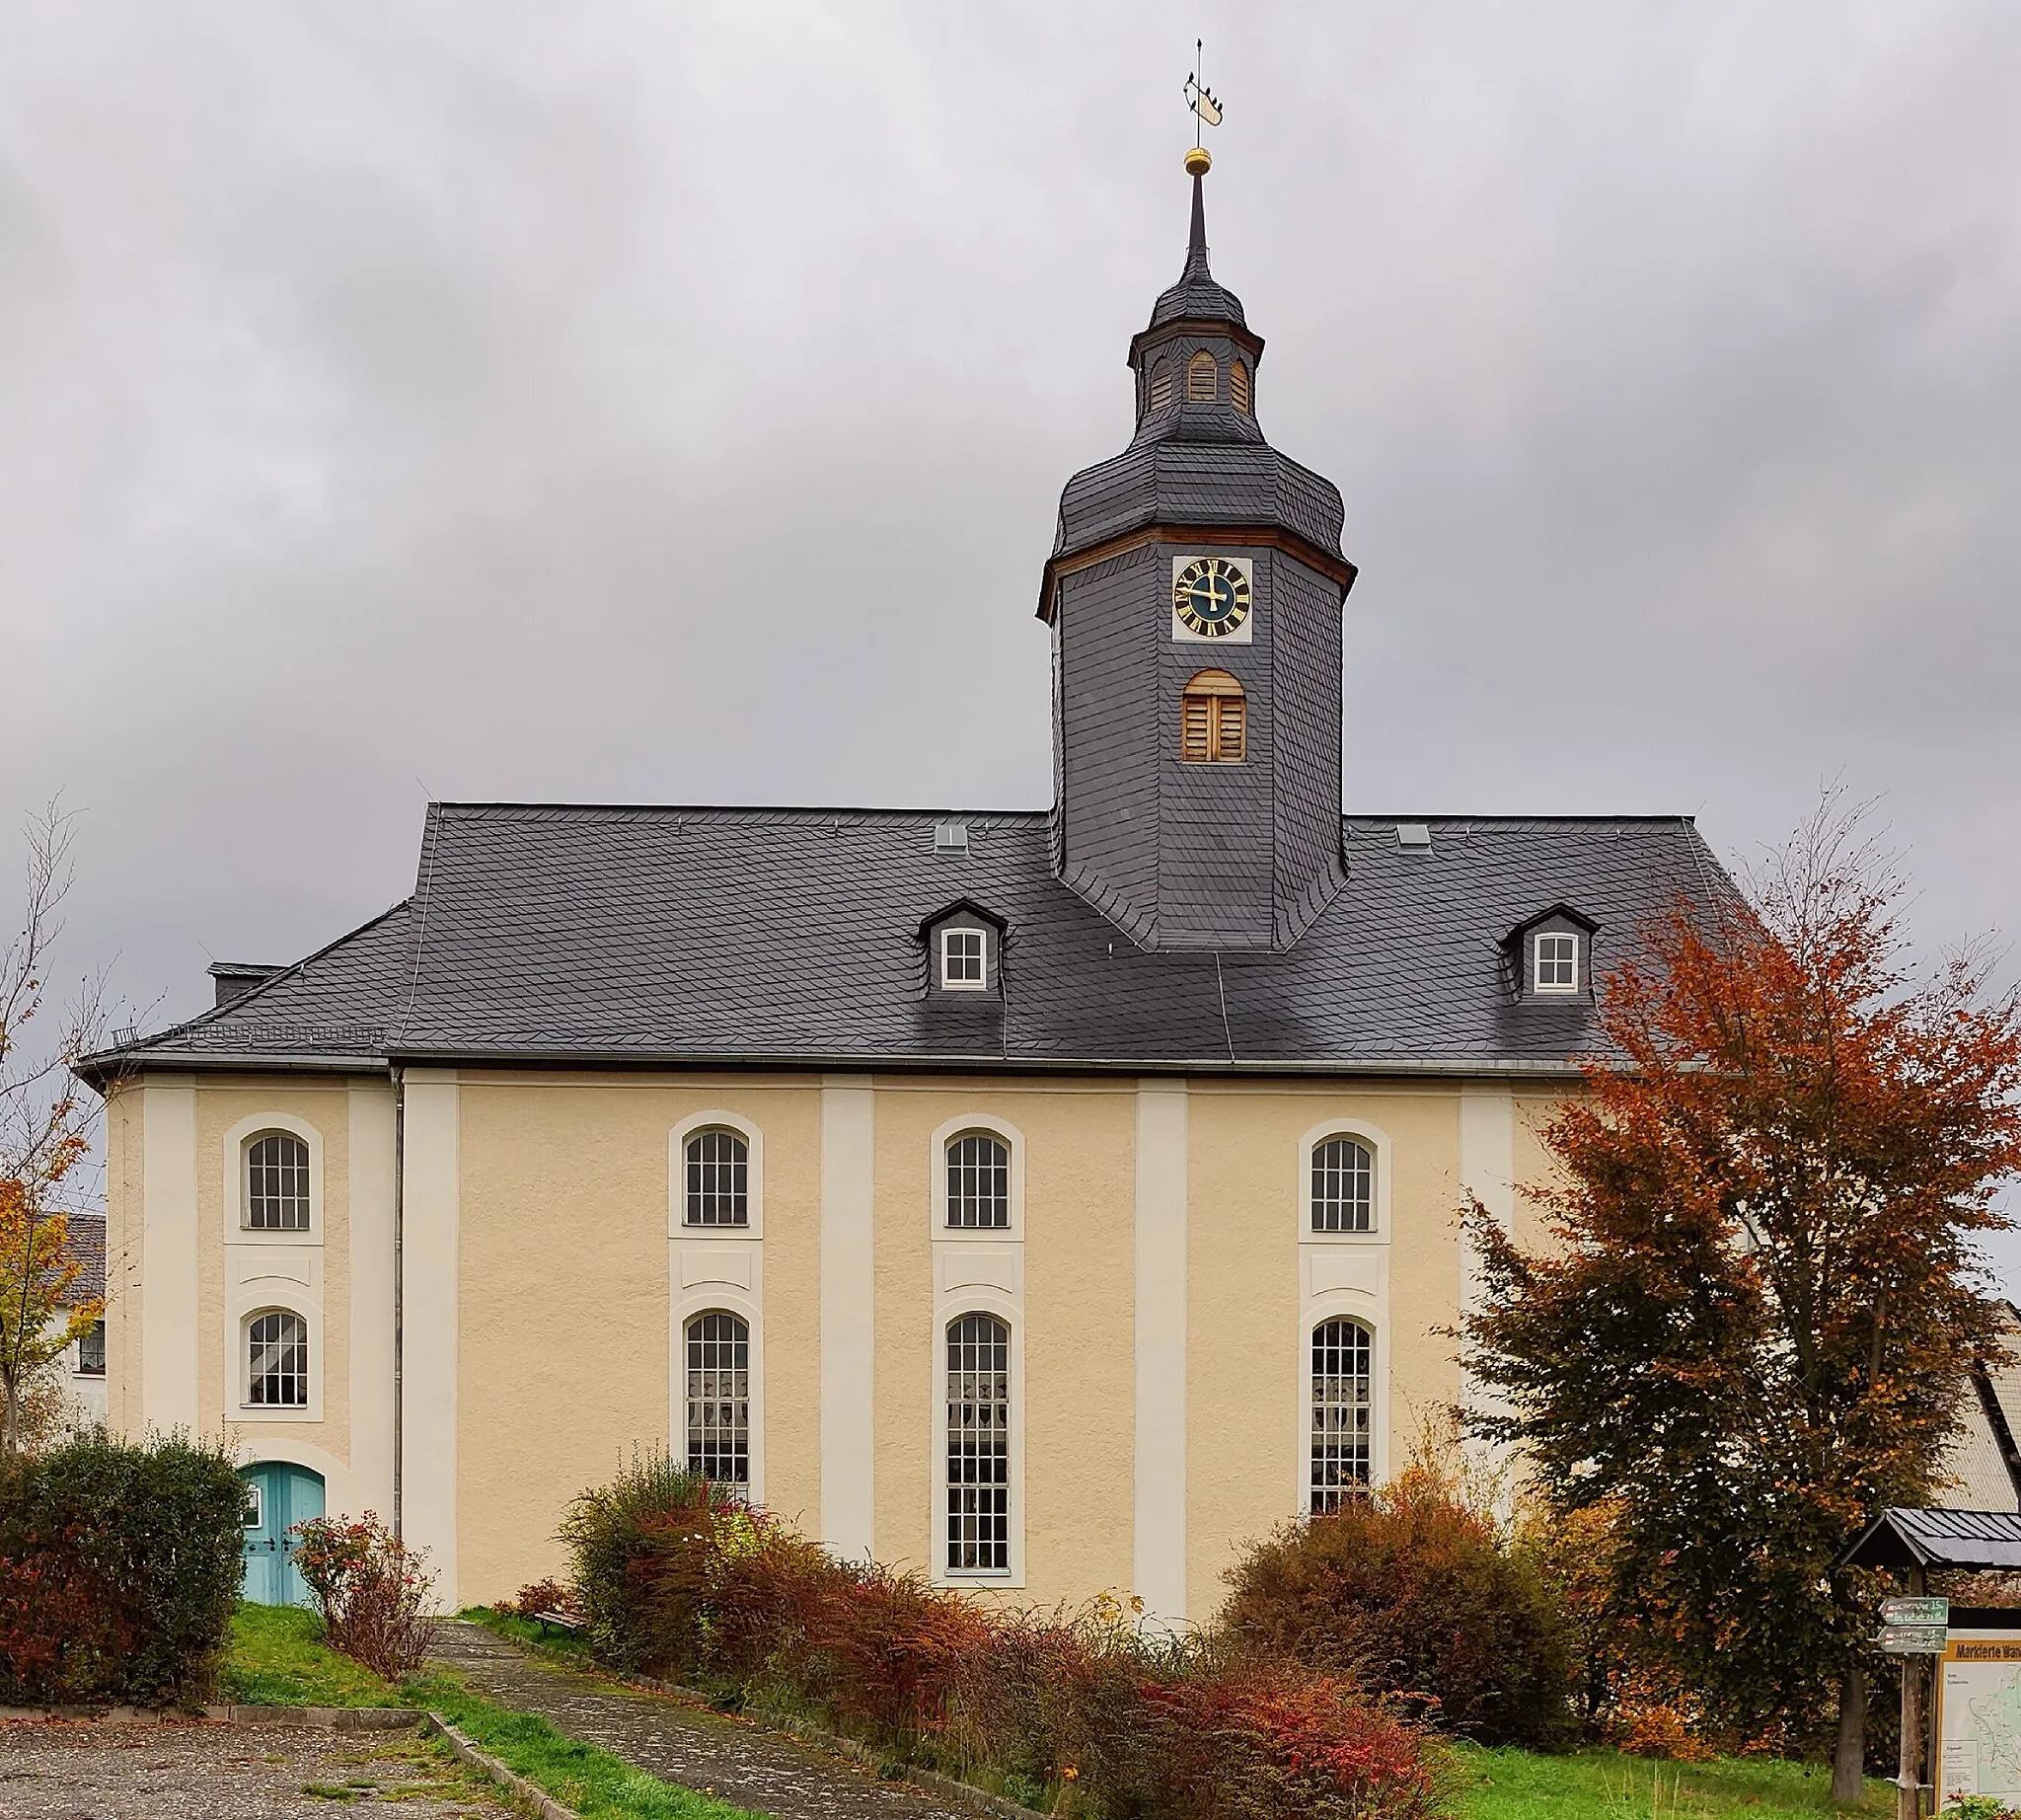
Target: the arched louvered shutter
pixel 1203 382
pixel 1213 719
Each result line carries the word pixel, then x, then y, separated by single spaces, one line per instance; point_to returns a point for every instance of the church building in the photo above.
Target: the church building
pixel 1049 1201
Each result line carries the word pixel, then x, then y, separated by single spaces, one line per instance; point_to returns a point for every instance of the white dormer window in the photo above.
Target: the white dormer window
pixel 964 959
pixel 1556 963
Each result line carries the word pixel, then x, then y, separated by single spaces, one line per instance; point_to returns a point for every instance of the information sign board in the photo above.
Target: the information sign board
pixel 1912 1639
pixel 1979 1715
pixel 1916 1611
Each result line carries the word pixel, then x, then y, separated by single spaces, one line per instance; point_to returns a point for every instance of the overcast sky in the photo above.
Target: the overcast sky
pixel 644 402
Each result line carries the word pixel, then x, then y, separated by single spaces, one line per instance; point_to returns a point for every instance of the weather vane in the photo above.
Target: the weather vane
pixel 1206 113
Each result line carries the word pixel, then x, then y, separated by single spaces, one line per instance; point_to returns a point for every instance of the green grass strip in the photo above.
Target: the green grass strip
pixel 1514 1785
pixel 595 1784
pixel 276 1657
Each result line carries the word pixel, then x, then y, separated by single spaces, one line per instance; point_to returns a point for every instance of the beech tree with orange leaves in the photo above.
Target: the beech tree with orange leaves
pixel 46 1123
pixel 1753 1323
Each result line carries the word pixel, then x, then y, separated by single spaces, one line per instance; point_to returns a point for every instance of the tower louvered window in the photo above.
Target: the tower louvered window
pixel 1203 382
pixel 719 1179
pixel 1343 1394
pixel 978 1445
pixel 1161 397
pixel 1213 719
pixel 720 1398
pixel 277 1183
pixel 1239 387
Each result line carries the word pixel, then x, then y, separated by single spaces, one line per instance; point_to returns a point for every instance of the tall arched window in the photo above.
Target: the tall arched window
pixel 1213 719
pixel 720 1398
pixel 1238 385
pixel 978 1181
pixel 1343 1186
pixel 978 1445
pixel 1343 1390
pixel 1161 394
pixel 719 1179
pixel 278 1360
pixel 277 1183
pixel 1203 380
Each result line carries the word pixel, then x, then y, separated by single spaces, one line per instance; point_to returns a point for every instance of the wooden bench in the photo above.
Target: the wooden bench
pixel 557 1620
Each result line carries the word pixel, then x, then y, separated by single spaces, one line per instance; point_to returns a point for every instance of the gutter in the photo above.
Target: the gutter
pixel 399 1292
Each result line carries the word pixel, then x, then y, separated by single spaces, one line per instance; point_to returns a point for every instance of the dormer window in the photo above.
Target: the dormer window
pixel 964 959
pixel 1550 955
pixel 1555 965
pixel 1203 379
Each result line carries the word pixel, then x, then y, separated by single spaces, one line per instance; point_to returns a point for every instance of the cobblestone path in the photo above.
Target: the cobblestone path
pixel 678 1740
pixel 199 1772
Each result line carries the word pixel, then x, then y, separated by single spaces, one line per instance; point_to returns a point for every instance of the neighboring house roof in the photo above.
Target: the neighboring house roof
pixel 84 1239
pixel 792 936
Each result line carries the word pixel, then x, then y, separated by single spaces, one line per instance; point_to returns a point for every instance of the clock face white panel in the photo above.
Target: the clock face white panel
pixel 1213 599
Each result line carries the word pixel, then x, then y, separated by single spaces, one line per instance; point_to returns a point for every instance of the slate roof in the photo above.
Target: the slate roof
pixel 84 1239
pixel 1964 1538
pixel 1198 297
pixel 791 937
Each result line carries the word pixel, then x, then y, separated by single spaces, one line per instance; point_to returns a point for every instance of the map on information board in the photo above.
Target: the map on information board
pixel 1978 1716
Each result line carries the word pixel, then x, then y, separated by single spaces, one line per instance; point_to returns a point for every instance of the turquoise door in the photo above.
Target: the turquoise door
pixel 277 1497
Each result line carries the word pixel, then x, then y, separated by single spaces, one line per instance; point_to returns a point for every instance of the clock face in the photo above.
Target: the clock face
pixel 1211 597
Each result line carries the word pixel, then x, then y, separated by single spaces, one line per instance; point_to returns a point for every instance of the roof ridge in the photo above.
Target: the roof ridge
pixel 646 810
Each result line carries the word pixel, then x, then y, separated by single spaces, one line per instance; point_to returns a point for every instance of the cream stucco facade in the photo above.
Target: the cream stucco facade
pixel 1158 1274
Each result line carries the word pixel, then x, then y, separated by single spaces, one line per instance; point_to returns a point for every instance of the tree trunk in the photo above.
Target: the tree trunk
pixel 1848 1760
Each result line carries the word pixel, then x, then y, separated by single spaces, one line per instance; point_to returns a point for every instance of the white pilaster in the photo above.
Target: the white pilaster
pixel 430 1216
pixel 1487 1172
pixel 169 1274
pixel 371 1278
pixel 848 1315
pixel 1159 1558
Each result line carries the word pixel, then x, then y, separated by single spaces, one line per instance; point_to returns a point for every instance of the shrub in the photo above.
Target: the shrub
pixel 1411 1590
pixel 371 1589
pixel 119 1565
pixel 537 1598
pixel 1082 1709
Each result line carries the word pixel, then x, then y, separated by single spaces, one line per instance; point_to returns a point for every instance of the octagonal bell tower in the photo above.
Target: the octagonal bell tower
pixel 1194 594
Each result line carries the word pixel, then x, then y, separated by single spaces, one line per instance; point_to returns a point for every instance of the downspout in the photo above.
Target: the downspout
pixel 398 1288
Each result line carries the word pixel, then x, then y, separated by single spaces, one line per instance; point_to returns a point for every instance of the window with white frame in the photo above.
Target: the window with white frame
pixel 719 1186
pixel 278 1360
pixel 978 1181
pixel 719 1398
pixel 91 1351
pixel 1556 965
pixel 964 959
pixel 1343 1186
pixel 277 1183
pixel 1343 1393
pixel 978 1445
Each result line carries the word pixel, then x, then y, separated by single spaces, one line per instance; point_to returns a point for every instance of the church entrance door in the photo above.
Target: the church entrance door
pixel 278 1496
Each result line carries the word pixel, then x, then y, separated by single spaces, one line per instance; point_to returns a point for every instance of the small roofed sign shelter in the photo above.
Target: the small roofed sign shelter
pixel 1980 1652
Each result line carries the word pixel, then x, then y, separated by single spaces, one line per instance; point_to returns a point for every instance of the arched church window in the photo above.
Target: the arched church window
pixel 1343 1382
pixel 1161 397
pixel 1238 385
pixel 978 1445
pixel 1343 1186
pixel 277 1183
pixel 1213 719
pixel 719 1179
pixel 278 1360
pixel 1203 381
pixel 978 1180
pixel 719 1398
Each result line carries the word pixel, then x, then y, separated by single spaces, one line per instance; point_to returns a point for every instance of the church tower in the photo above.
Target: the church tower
pixel 1194 594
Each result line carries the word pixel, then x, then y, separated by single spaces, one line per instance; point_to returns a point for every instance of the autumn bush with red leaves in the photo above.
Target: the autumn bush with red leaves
pixel 374 1593
pixel 1084 1711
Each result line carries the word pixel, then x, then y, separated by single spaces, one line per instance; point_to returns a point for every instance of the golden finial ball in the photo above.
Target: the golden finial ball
pixel 1199 161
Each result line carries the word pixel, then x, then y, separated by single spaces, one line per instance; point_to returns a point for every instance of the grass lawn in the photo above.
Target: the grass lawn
pixel 277 1658
pixel 1512 1785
